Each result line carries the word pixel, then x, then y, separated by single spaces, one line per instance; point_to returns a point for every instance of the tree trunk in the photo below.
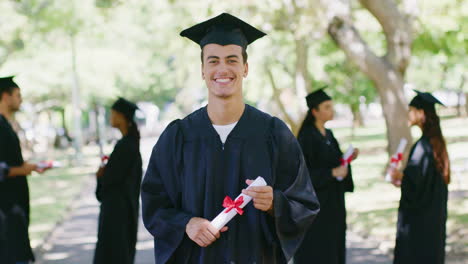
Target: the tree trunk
pixel 460 97
pixel 76 100
pixel 466 103
pixel 395 111
pixel 386 72
pixel 302 80
pixel 277 98
pixel 358 120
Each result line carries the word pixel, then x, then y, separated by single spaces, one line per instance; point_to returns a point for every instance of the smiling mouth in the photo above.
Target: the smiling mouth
pixel 223 80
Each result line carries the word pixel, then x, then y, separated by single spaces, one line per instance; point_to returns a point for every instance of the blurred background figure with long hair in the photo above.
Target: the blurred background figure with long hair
pixel 325 240
pixel 423 205
pixel 118 190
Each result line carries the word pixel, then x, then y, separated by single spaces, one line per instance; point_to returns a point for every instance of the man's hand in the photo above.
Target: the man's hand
pixel 202 232
pixel 24 170
pixel 396 177
pixel 41 170
pixel 262 196
pixel 28 168
pixel 355 153
pixel 340 172
pixel 100 172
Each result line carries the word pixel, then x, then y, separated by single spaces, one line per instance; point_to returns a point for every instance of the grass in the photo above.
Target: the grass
pixel 372 208
pixel 52 192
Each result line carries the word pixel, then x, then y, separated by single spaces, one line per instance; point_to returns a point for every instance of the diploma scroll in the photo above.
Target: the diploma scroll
pixel 235 206
pixel 347 158
pixel 396 158
pixel 104 160
pixel 48 164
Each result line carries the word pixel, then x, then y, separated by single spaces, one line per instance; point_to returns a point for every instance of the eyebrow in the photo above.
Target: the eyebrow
pixel 228 57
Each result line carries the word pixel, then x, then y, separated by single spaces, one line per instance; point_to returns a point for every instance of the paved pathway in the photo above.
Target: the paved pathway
pixel 73 241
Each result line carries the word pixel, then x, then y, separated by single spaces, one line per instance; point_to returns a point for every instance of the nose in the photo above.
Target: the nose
pixel 222 67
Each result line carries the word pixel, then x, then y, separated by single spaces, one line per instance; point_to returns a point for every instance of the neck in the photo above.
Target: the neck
pixel 225 112
pixel 6 112
pixel 320 125
pixel 123 129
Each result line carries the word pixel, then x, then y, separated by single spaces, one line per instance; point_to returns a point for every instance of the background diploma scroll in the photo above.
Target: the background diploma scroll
pixel 346 159
pixel 396 158
pixel 226 215
pixel 50 164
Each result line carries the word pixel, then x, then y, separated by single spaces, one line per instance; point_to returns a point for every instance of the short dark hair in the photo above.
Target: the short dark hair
pixel 8 90
pixel 244 55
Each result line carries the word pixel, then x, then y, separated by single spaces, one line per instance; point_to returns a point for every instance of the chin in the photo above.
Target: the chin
pixel 222 93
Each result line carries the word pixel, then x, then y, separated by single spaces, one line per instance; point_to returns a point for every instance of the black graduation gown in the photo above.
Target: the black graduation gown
pixel 14 200
pixel 325 241
pixel 423 209
pixel 118 191
pixel 191 171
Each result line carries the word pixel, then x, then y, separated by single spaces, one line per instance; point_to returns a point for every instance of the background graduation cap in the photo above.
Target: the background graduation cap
pixel 317 97
pixel 7 82
pixel 424 100
pixel 224 29
pixel 125 107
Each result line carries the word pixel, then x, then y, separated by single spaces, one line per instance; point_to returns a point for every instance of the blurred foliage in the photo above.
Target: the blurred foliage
pixel 133 49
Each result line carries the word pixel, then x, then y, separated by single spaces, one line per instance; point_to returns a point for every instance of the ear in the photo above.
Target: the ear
pixel 313 111
pixel 422 116
pixel 246 69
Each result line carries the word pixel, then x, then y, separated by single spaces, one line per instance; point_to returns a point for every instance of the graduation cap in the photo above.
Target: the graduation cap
pixel 317 97
pixel 125 107
pixel 7 82
pixel 224 29
pixel 424 100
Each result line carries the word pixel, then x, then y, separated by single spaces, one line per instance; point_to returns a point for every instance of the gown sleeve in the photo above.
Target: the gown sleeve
pixel 161 193
pixel 348 182
pixel 4 170
pixel 295 202
pixel 118 165
pixel 416 189
pixel 3 165
pixel 117 169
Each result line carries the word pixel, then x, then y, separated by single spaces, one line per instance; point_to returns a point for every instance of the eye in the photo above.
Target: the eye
pixel 232 61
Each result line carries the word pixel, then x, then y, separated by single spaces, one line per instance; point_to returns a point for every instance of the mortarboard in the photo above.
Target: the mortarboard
pixel 424 100
pixel 224 29
pixel 7 82
pixel 317 97
pixel 125 107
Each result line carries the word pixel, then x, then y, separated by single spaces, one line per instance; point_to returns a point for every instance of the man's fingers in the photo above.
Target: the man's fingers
pixel 224 229
pixel 261 189
pixel 261 196
pixel 261 205
pixel 209 238
pixel 262 202
pixel 213 232
pixel 202 241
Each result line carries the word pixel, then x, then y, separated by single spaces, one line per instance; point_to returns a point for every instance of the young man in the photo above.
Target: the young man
pixel 215 152
pixel 14 192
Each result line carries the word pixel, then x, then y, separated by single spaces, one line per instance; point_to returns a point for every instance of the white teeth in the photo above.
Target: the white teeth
pixel 223 80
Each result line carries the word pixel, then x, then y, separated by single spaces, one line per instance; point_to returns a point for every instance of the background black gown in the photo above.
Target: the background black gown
pixel 190 172
pixel 14 200
pixel 423 209
pixel 325 241
pixel 118 191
